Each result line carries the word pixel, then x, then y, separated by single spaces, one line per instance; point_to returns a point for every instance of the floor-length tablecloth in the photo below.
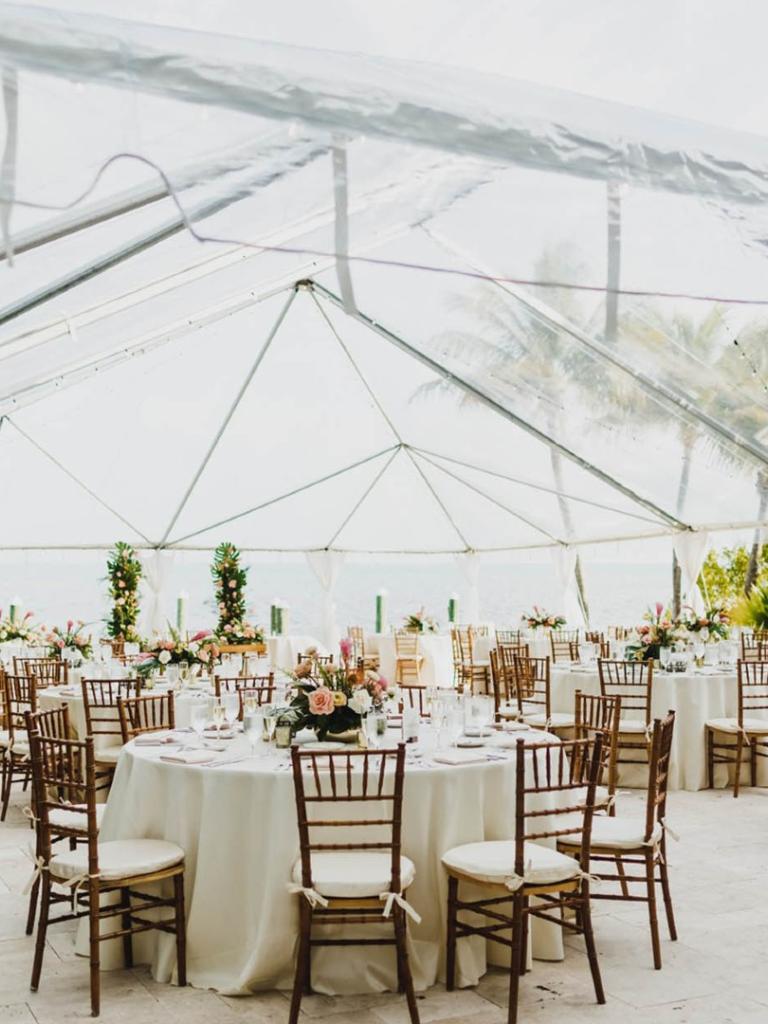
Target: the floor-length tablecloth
pixel 237 826
pixel 695 696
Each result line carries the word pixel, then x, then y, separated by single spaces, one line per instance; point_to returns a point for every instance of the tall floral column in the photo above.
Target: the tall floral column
pixel 229 579
pixel 124 572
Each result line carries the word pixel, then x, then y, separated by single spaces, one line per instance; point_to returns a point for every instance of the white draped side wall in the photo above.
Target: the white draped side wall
pixel 326 565
pixel 156 603
pixel 691 550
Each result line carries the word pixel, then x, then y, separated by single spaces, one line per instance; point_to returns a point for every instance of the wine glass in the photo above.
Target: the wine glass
pixel 253 724
pixel 198 717
pixel 218 716
pixel 231 704
pixel 270 721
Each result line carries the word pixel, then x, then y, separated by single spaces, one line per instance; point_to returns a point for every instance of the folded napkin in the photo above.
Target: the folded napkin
pixel 460 757
pixel 154 739
pixel 196 756
pixel 227 759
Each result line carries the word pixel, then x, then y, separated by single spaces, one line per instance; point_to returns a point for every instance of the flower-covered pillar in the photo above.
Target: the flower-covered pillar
pixel 469 564
pixel 564 559
pixel 691 550
pixel 326 565
pixel 156 578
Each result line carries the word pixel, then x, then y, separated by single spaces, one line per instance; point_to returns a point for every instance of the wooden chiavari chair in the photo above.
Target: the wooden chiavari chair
pixel 145 714
pixel 262 694
pixel 564 645
pixel 633 682
pixel 47 671
pixel 599 640
pixel 102 719
pixel 471 671
pixel 408 660
pixel 744 730
pixel 520 869
pixel 639 842
pixel 316 659
pixel 231 684
pixel 366 661
pixel 754 648
pixel 509 636
pixel 532 680
pixel 503 679
pixel 600 716
pixel 94 869
pixel 360 881
pixel 19 695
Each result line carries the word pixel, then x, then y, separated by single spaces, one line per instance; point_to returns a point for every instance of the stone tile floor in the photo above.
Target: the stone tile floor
pixel 716 973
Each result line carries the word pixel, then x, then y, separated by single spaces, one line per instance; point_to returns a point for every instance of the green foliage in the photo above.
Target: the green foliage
pixel 724 572
pixel 124 573
pixel 752 610
pixel 229 581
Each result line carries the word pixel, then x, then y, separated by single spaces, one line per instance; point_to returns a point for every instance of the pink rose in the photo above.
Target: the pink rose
pixel 321 701
pixel 232 584
pixel 60 645
pixel 70 624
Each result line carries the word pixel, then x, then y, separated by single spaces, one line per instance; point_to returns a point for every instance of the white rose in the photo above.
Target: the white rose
pixel 164 657
pixel 194 647
pixel 360 702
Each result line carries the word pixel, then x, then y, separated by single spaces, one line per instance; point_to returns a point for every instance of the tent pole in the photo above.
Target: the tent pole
pixel 486 399
pixel 230 412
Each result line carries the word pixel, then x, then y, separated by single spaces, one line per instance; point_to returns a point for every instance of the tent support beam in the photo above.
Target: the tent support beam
pixel 487 400
pixel 494 501
pixel 606 353
pixel 230 413
pixel 74 479
pixel 273 501
pixel 364 495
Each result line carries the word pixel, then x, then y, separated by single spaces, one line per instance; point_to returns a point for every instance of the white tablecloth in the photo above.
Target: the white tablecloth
pixel 283 651
pixel 435 648
pixel 237 826
pixel 696 697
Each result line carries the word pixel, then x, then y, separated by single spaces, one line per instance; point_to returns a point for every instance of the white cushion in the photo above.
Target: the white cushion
pixel 354 873
pixel 634 725
pixel 107 755
pixel 63 817
pixel 120 858
pixel 495 861
pixel 557 720
pixel 20 745
pixel 759 725
pixel 616 833
pixel 409 657
pixel 508 711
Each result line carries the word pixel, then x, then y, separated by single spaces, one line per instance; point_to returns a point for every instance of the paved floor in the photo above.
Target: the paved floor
pixel 717 972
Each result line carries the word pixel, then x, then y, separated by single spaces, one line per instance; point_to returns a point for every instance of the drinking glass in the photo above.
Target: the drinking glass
pixel 218 715
pixel 270 721
pixel 665 656
pixel 231 704
pixel 198 717
pixel 253 725
pixel 184 672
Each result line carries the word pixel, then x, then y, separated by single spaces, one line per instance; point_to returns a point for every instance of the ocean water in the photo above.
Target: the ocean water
pixel 72 585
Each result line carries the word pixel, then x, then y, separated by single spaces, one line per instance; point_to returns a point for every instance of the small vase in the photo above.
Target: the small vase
pixel 347 736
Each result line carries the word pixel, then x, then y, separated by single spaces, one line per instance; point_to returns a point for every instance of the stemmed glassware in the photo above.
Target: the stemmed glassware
pixel 198 717
pixel 218 715
pixel 253 722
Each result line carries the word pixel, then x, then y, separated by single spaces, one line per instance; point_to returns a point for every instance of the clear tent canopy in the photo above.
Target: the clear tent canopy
pixel 318 301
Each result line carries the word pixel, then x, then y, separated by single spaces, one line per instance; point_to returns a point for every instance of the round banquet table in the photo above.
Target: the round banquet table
pixel 696 696
pixel 236 823
pixel 436 650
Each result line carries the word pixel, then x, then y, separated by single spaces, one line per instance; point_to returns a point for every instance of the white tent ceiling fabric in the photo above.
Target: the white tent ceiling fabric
pixel 323 301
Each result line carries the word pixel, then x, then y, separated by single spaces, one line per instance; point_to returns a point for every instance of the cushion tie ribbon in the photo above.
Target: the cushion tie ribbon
pixel 397 897
pixel 312 896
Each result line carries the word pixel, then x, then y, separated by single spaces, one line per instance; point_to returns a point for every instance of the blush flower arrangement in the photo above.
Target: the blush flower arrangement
pixel 200 649
pixel 240 633
pixel 21 629
pixel 72 636
pixel 420 622
pixel 658 629
pixel 539 618
pixel 714 624
pixel 332 700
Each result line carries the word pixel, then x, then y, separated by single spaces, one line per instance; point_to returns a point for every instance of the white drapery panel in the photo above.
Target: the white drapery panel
pixel 470 568
pixel 155 615
pixel 564 559
pixel 326 565
pixel 691 550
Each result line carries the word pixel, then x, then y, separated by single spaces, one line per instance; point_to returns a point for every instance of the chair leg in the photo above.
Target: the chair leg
pixel 403 964
pixel 450 951
pixel 622 876
pixel 664 875
pixel 753 762
pixel 6 795
pixel 589 939
pixel 650 882
pixel 125 924
pixel 739 747
pixel 524 940
pixel 42 928
pixel 710 759
pixel 303 960
pixel 515 964
pixel 181 929
pixel 32 911
pixel 93 941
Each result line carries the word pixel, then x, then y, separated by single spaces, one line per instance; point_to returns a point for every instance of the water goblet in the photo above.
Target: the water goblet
pixel 253 724
pixel 218 715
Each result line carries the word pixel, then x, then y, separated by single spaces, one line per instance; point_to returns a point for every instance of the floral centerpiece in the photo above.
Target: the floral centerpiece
pixel 158 653
pixel 124 573
pixel 712 625
pixel 658 629
pixel 420 622
pixel 539 618
pixel 333 700
pixel 240 633
pixel 70 636
pixel 20 629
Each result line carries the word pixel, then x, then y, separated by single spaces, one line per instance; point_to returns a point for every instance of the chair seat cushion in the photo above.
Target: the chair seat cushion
pixel 508 711
pixel 557 720
pixel 76 817
pixel 354 873
pixel 758 725
pixel 495 861
pixel 20 745
pixel 616 833
pixel 120 858
pixel 633 725
pixel 409 657
pixel 107 755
